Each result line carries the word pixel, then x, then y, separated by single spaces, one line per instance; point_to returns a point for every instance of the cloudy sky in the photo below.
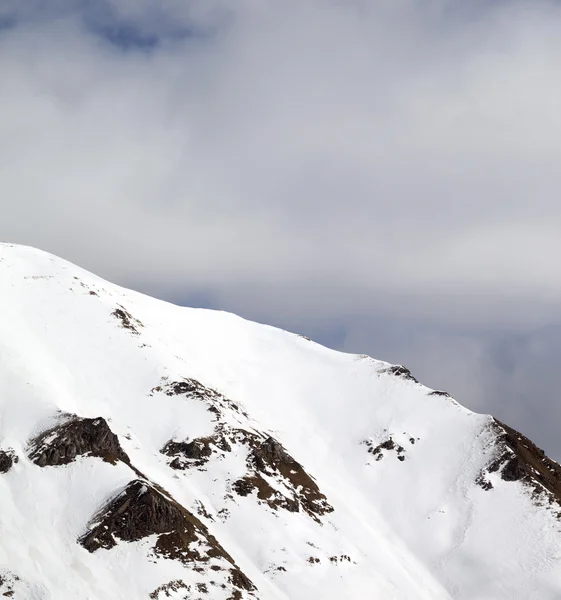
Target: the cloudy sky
pixel 381 175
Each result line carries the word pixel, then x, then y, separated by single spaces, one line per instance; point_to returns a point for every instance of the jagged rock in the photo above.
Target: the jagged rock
pixel 519 459
pixel 265 492
pixel 127 320
pixel 7 460
pixel 188 386
pixel 388 444
pixel 271 454
pixel 439 393
pixel 266 457
pixel 399 371
pixel 8 583
pixel 196 452
pixel 166 590
pixel 269 457
pixel 60 445
pixel 141 510
pixel 191 388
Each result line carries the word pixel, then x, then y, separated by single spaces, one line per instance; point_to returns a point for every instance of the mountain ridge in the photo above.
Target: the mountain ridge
pixel 217 458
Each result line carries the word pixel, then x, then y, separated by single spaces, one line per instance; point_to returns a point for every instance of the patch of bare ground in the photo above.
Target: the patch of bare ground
pixel 388 445
pixel 193 389
pixel 166 590
pixel 518 459
pixel 7 582
pixel 266 458
pixel 344 558
pixel 74 437
pixel 399 371
pixel 439 393
pixel 197 452
pixel 142 510
pixel 127 320
pixel 7 460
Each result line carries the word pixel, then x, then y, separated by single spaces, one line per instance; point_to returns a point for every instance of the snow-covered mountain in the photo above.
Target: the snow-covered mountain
pixel 150 451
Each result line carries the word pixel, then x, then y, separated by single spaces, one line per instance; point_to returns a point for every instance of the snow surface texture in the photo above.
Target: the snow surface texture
pixel 155 451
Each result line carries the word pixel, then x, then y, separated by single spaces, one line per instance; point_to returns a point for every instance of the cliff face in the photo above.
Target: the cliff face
pixel 152 451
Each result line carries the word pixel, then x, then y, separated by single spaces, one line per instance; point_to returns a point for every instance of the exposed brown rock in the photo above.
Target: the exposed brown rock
pixel 389 445
pixel 342 558
pixel 196 452
pixel 7 460
pixel 137 512
pixel 7 583
pixel 60 445
pixel 519 459
pixel 250 483
pixel 127 320
pixel 163 591
pixel 191 388
pixel 267 456
pixel 399 371
pixel 439 393
pixel 188 386
pixel 142 510
pixel 239 580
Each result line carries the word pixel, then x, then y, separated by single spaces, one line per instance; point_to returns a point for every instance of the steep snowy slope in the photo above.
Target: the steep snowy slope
pixel 153 451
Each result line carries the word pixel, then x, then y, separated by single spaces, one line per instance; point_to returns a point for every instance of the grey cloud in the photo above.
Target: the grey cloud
pixel 308 164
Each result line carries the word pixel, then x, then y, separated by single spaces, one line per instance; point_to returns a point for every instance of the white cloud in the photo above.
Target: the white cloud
pixel 356 155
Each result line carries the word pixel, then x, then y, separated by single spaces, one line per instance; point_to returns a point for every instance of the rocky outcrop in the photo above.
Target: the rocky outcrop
pixel 399 371
pixel 142 510
pixel 11 586
pixel 516 458
pixel 127 320
pixel 193 389
pixel 197 452
pixel 7 460
pixel 439 393
pixel 74 437
pixel 266 457
pixel 387 445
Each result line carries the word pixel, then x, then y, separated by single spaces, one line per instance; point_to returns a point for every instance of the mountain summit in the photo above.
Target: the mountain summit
pixel 150 451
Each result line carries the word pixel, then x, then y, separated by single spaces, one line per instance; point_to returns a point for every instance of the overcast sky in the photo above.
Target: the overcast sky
pixel 381 175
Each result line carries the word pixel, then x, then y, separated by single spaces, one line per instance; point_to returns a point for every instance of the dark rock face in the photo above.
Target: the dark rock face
pixel 193 389
pixel 142 510
pixel 8 582
pixel 196 452
pixel 188 386
pixel 265 456
pixel 139 511
pixel 388 445
pixel 270 454
pixel 268 457
pixel 127 320
pixel 519 459
pixel 399 371
pixel 439 393
pixel 7 460
pixel 60 445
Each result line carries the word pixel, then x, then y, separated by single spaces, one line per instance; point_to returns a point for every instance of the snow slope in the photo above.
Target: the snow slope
pixel 316 474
